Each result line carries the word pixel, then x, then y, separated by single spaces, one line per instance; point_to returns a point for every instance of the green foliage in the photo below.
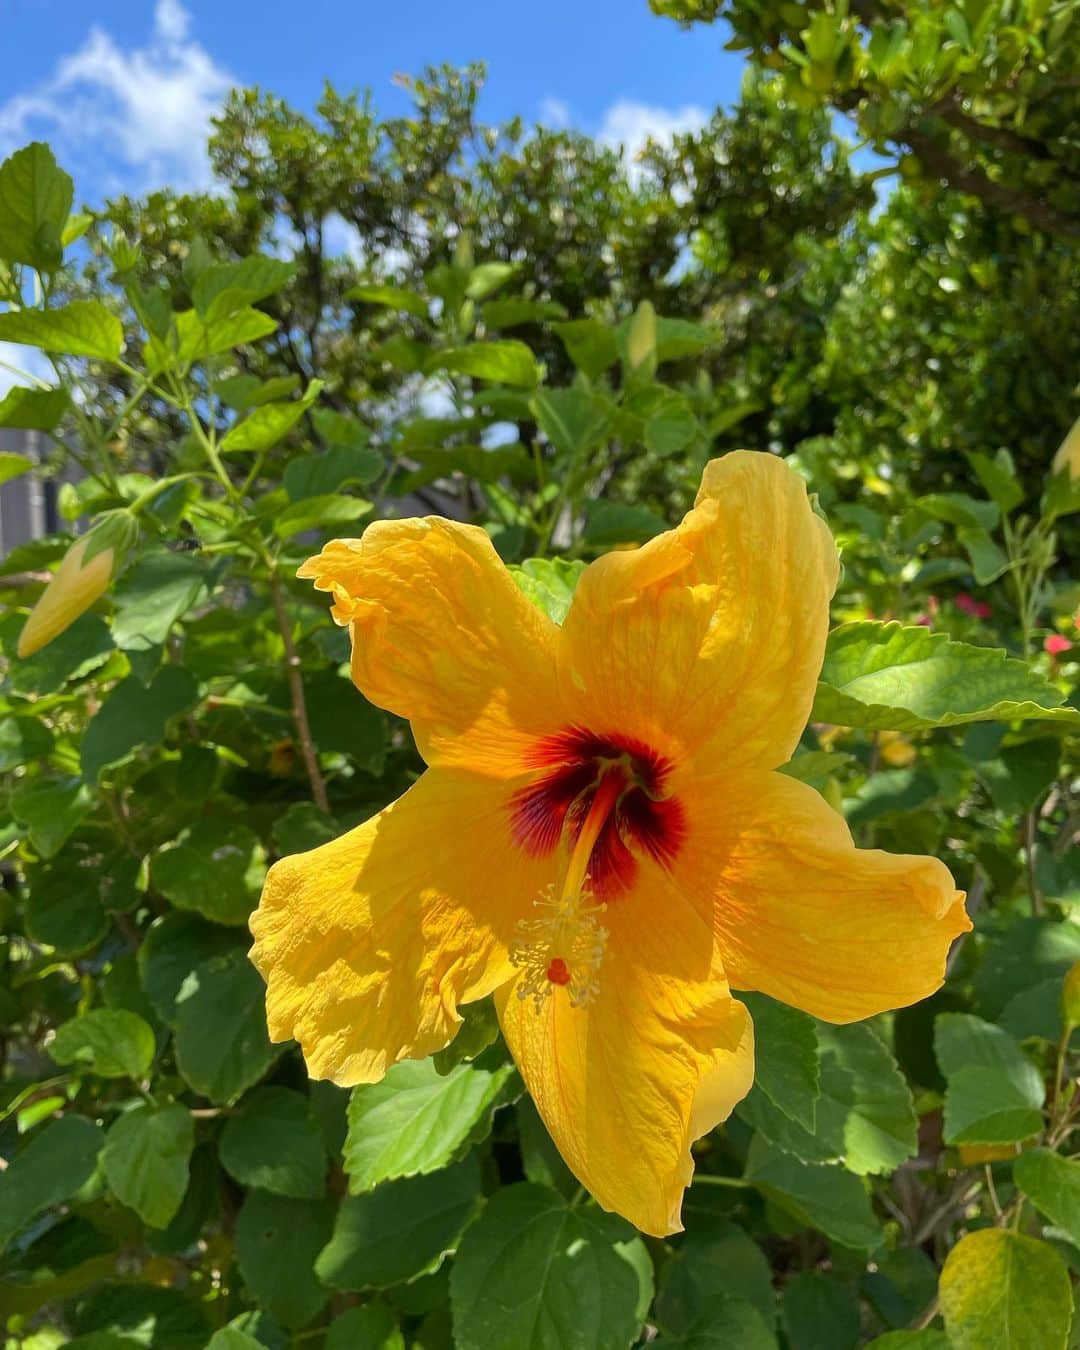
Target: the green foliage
pixel 549 344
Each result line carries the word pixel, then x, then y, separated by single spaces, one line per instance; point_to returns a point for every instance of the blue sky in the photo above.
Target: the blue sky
pixel 124 89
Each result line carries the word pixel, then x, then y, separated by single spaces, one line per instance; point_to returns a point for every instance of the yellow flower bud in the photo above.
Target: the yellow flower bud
pixel 1070 996
pixel 82 577
pixel 973 1154
pixel 895 749
pixel 1068 455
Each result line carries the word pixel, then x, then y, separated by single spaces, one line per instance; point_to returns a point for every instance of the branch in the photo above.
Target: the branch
pixel 299 703
pixel 976 184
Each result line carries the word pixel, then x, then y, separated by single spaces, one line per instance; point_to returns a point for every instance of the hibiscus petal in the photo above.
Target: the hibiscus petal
pixel 370 942
pixel 661 1056
pixel 442 635
pixel 802 914
pixel 707 641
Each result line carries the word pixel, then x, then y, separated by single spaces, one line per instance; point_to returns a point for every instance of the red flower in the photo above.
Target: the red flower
pixel 978 609
pixel 1056 645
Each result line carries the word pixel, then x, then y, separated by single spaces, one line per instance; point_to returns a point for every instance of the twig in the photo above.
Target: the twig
pixel 299 703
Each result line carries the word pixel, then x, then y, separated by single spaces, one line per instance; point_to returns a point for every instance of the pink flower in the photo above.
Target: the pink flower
pixel 978 609
pixel 1056 645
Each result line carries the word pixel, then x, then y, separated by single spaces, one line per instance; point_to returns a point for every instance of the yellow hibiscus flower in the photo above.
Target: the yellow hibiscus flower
pixel 600 840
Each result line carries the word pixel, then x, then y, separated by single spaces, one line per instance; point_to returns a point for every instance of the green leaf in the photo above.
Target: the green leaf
pixel 574 420
pixel 244 392
pixel 671 427
pixel 820 1313
pixel 80 328
pixel 174 946
pixel 35 199
pixel 216 870
pixel 994 1093
pixel 222 1047
pixel 343 722
pixel 63 911
pixel 998 477
pixel 786 1066
pixel 31 410
pixel 309 476
pixel 723 1263
pixel 590 344
pixel 146 1160
pixel 882 676
pixel 273 1142
pixel 1028 953
pixel 150 597
pixel 277 1242
pixel 22 740
pixel 11 464
pixel 486 278
pixel 82 648
pixel 110 1042
pixel 608 524
pixel 303 826
pixel 135 715
pixel 676 339
pixel 929 1339
pixel 270 423
pixel 399 1230
pixel 195 338
pixel 55 1164
pixel 505 362
pixel 225 288
pixel 512 313
pixel 372 1327
pixel 1002 1291
pixel 232 1338
pixel 957 508
pixel 324 513
pixel 486 465
pixel 549 583
pixel 1052 1183
pixel 819 1196
pixel 391 297
pixel 415 1120
pixel 730 1322
pixel 51 809
pixel 534 1272
pixel 988 561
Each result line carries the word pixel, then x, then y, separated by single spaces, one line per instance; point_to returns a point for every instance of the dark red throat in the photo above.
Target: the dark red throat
pixel 572 764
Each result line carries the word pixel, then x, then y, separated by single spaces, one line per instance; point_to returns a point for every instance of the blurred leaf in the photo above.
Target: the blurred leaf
pixel 882 676
pixel 174 945
pixel 372 1327
pixel 82 648
pixel 513 313
pixel 30 410
pixel 608 524
pixel 590 344
pixel 671 427
pixel 574 420
pixel 277 1242
pixel 549 583
pixel 324 513
pixel 11 464
pixel 504 362
pixel 532 1271
pixel 988 561
pixel 415 1120
pixel 160 588
pixel 225 288
pixel 392 297
pixel 22 740
pixel 724 1263
pixel 146 1158
pixel 80 328
pixel 107 1041
pixel 1003 1291
pixel 309 476
pixel 730 1322
pixel 957 508
pixel 273 1143
pixel 221 1044
pixel 244 392
pixel 55 1163
pixel 399 1230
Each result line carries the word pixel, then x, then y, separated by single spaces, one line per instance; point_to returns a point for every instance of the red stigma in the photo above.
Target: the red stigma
pixel 558 972
pixel 573 764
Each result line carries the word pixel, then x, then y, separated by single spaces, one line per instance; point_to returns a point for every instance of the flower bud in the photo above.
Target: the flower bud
pixel 1068 455
pixel 1070 997
pixel 83 576
pixel 641 339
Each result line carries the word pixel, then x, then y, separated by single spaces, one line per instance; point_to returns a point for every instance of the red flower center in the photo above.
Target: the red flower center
pixel 574 763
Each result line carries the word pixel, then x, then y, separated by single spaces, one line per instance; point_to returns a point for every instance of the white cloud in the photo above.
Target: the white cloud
pixel 126 118
pixel 629 126
pixel 554 112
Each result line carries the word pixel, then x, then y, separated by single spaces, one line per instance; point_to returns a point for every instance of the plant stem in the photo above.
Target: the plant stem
pixel 299 703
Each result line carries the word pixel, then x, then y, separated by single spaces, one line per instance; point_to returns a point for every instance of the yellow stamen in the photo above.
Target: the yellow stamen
pixel 564 946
